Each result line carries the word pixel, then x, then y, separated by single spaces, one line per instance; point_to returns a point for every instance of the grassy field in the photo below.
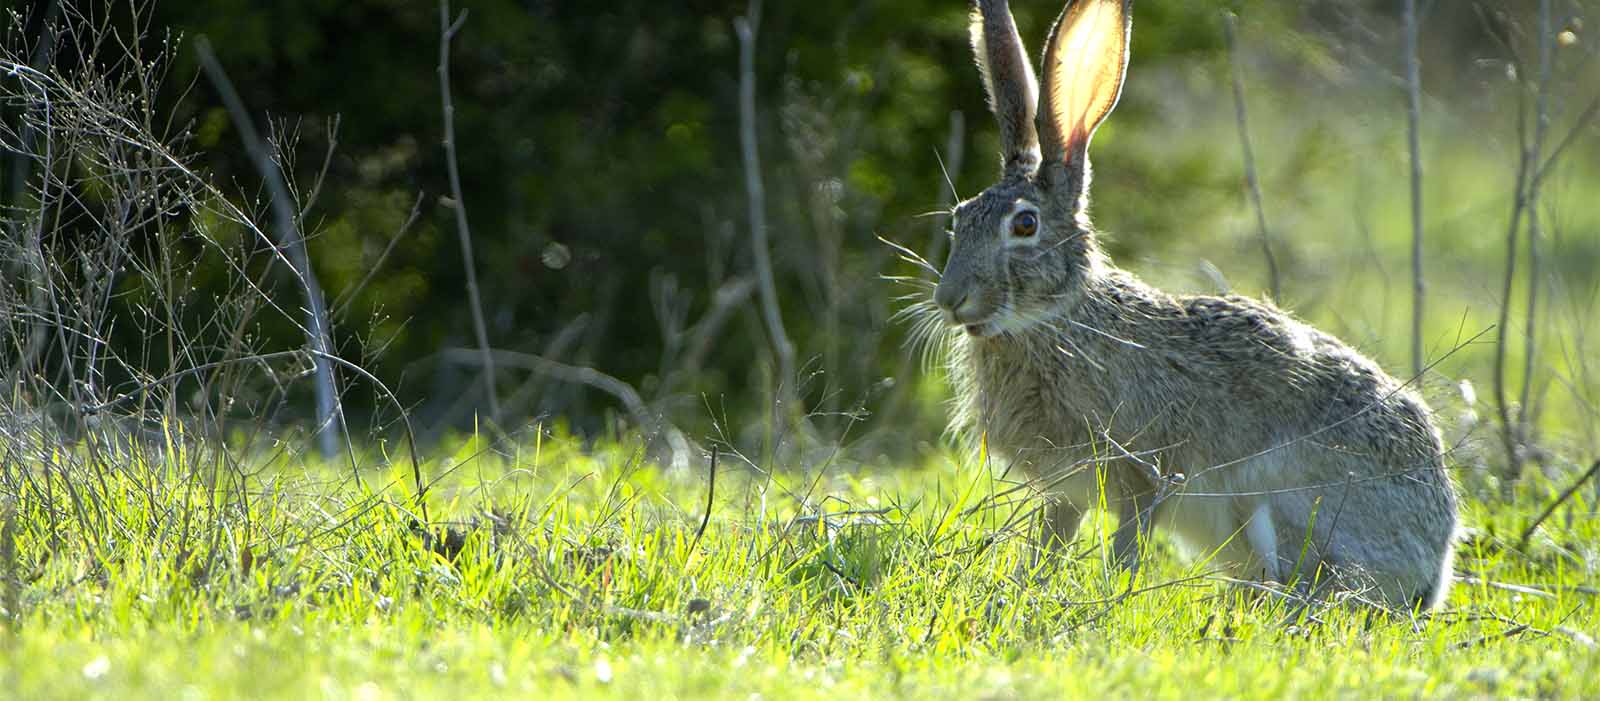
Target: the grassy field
pixel 560 567
pixel 583 573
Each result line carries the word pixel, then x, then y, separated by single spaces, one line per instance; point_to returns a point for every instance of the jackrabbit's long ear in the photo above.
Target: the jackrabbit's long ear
pixel 1008 77
pixel 1085 60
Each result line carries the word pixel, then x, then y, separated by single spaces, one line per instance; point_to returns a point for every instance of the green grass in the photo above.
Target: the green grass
pixel 577 572
pixel 579 576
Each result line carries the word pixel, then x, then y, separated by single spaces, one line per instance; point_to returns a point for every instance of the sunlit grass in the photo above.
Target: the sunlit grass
pixel 564 569
pixel 577 573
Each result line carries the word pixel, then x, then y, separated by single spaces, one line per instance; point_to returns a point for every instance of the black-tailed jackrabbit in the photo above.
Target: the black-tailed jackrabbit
pixel 1245 432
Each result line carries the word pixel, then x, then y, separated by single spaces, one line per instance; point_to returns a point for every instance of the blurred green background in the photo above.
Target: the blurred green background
pixel 601 169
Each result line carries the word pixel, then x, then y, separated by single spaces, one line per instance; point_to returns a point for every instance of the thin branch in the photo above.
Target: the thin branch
pixel 711 494
pixel 330 419
pixel 1527 533
pixel 1509 439
pixel 1511 632
pixel 621 391
pixel 342 302
pixel 1541 124
pixel 755 193
pixel 1504 586
pixel 729 298
pixel 458 205
pixel 1413 142
pixel 1253 183
pixel 327 162
pixel 1584 120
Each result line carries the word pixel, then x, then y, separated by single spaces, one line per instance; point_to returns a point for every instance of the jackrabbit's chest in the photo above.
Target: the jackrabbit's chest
pixel 1027 405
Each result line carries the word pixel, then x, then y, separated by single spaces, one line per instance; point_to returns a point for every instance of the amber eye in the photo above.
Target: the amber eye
pixel 1025 224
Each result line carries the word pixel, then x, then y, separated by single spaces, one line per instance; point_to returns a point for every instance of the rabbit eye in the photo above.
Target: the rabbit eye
pixel 1025 224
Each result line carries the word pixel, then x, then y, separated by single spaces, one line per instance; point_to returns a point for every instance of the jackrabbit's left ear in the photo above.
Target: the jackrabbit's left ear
pixel 1008 78
pixel 1085 60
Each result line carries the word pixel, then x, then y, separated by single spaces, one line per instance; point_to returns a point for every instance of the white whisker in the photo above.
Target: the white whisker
pixel 1080 354
pixel 922 283
pixel 1043 251
pixel 942 169
pixel 1092 329
pixel 911 257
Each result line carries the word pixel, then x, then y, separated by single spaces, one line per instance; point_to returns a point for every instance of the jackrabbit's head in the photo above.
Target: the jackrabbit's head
pixel 1023 246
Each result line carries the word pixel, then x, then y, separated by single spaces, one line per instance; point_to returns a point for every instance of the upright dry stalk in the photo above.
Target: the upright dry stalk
pixel 1541 124
pixel 745 27
pixel 1508 430
pixel 1254 185
pixel 1525 195
pixel 330 424
pixel 447 32
pixel 20 172
pixel 1413 141
pixel 10 578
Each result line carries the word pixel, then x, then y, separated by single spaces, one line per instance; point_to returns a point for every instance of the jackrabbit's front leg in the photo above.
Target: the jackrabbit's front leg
pixel 1058 525
pixel 1133 530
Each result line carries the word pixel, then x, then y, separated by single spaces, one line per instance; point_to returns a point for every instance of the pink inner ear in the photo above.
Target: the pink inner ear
pixel 1084 73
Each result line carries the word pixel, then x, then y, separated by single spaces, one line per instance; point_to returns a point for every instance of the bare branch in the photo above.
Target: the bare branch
pixel 727 299
pixel 330 422
pixel 1585 119
pixel 1511 442
pixel 1413 142
pixel 1527 533
pixel 1530 351
pixel 458 205
pixel 1251 181
pixel 711 494
pixel 755 193
pixel 621 391
pixel 342 302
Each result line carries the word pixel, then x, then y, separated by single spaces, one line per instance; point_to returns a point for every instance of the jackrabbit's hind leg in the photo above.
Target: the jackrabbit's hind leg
pixel 1263 538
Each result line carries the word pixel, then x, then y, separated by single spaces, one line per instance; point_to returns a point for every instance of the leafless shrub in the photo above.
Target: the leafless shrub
pixel 119 357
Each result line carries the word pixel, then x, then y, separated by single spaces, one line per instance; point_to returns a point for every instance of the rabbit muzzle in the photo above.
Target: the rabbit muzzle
pixel 965 306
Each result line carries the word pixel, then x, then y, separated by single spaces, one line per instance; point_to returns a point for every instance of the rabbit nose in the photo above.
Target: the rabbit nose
pixel 959 305
pixel 949 298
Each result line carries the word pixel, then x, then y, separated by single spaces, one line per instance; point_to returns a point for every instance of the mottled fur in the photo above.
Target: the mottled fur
pixel 1244 431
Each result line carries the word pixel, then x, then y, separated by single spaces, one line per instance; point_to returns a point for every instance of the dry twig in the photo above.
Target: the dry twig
pixel 1253 183
pixel 755 193
pixel 1527 533
pixel 1413 142
pixel 330 420
pixel 458 204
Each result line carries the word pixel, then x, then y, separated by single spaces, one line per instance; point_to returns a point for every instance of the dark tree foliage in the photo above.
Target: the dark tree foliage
pixel 600 157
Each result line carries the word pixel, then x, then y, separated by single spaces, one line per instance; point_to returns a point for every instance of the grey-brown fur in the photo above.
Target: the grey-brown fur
pixel 1242 430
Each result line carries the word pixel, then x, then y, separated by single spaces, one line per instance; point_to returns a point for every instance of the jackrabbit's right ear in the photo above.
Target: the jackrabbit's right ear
pixel 1008 78
pixel 1085 60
